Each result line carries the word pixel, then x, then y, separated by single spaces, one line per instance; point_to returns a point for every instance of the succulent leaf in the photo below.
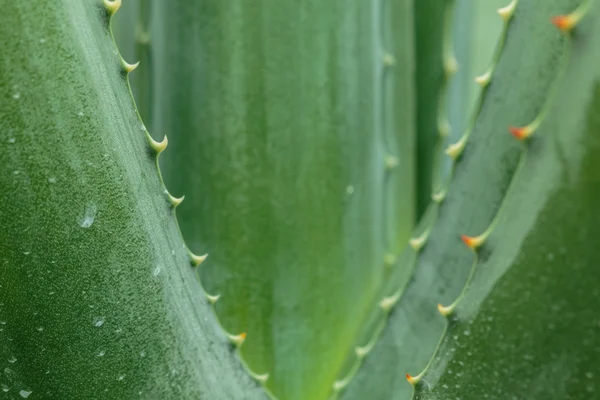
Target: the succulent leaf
pixel 97 297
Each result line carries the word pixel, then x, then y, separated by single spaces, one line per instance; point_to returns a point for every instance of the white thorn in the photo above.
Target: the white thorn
pixel 197 260
pixel 388 60
pixel 361 352
pixel 391 161
pixel 175 201
pixel 237 340
pixel 213 299
pixel 158 147
pixel 339 385
pixel 262 378
pixel 112 6
pixel 418 242
pixel 507 12
pixel 450 65
pixel 439 196
pixel 387 303
pixel 456 149
pixel 484 79
pixel 129 67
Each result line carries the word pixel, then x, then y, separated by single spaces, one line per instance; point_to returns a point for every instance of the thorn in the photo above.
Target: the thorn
pixel 388 302
pixel 450 65
pixel 439 196
pixel 484 79
pixel 473 242
pixel 521 133
pixel 413 380
pixel 339 385
pixel 197 260
pixel 444 128
pixel 388 60
pixel 112 6
pixel 213 299
pixel 390 161
pixel 361 352
pixel 563 22
pixel 175 201
pixel 507 12
pixel 567 22
pixel 445 311
pixel 262 378
pixel 389 260
pixel 237 340
pixel 129 67
pixel 456 149
pixel 158 147
pixel 418 242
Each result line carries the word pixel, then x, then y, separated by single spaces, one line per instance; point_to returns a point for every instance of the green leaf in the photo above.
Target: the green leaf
pixel 526 325
pixel 480 180
pixel 292 163
pixel 97 298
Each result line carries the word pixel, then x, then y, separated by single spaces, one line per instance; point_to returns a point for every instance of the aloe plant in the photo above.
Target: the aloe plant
pixel 307 138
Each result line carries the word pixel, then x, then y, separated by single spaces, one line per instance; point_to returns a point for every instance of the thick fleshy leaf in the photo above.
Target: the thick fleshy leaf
pixel 97 296
pixel 290 149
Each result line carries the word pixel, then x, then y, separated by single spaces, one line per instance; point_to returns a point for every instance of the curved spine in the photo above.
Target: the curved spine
pixel 158 147
pixel 565 23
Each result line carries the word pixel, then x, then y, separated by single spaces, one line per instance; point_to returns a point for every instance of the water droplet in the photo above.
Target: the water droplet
pixel 5 388
pixel 39 328
pixel 24 393
pixel 156 271
pixel 12 140
pixel 99 321
pixel 350 189
pixel 17 96
pixel 12 360
pixel 101 353
pixel 88 217
pixel 467 332
pixel 42 40
pixel 26 253
pixel 142 354
pixel 80 114
pixel 121 377
pixel 16 172
pixel 52 180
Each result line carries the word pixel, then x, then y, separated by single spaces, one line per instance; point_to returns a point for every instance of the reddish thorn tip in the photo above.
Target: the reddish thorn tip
pixel 243 335
pixel 518 133
pixel 468 240
pixel 409 377
pixel 562 22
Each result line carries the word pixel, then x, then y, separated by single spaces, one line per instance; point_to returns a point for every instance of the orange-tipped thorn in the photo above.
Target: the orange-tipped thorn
pixel 413 380
pixel 473 242
pixel 238 339
pixel 445 311
pixel 520 133
pixel 564 22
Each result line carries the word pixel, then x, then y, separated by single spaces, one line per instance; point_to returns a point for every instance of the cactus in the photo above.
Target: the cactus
pixel 293 131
